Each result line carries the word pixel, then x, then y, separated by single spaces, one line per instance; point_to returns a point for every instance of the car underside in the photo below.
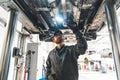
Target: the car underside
pixel 50 15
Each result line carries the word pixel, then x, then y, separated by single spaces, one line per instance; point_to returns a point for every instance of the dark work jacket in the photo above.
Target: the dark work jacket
pixel 62 64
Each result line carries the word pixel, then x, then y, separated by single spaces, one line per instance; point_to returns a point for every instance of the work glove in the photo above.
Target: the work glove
pixel 73 26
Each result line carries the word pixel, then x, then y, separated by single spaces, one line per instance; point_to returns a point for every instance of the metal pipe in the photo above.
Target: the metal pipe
pixel 63 2
pixel 114 33
pixel 7 53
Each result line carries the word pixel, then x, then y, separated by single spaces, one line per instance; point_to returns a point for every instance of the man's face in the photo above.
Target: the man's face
pixel 58 39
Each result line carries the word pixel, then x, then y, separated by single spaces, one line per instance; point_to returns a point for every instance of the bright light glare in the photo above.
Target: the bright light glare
pixel 59 19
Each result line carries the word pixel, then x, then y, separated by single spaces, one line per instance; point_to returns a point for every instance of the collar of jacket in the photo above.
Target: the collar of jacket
pixel 59 51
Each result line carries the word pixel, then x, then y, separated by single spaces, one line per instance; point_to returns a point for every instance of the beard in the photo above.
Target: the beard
pixel 59 40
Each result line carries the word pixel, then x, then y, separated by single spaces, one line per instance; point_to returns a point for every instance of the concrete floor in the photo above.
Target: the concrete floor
pixel 93 75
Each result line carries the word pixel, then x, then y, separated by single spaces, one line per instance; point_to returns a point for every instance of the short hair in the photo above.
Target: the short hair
pixel 58 32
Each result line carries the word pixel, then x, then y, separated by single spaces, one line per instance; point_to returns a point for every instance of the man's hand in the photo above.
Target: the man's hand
pixel 73 26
